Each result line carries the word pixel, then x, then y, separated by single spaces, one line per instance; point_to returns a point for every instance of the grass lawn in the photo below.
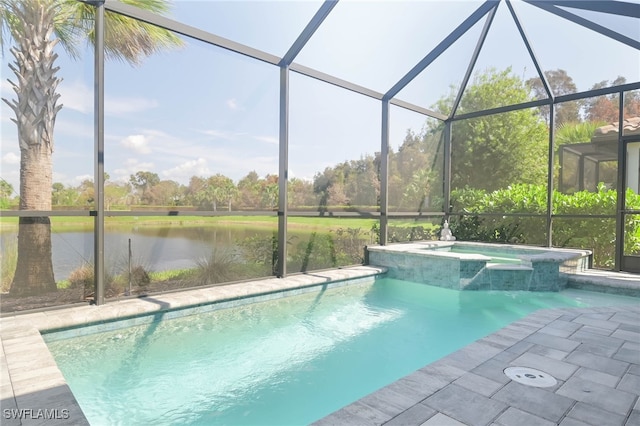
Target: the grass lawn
pixel 70 223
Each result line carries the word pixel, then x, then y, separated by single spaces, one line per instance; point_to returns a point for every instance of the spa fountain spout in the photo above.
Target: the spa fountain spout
pixel 445 234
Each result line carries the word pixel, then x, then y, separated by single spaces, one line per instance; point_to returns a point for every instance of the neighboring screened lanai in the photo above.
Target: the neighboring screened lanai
pixel 154 146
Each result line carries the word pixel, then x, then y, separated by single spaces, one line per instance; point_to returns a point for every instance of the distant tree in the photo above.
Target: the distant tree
pixel 249 190
pixel 86 193
pixel 336 195
pixel 166 193
pixel 300 192
pixel 605 108
pixel 415 169
pixel 56 193
pixel 354 182
pixel 115 193
pixel 602 108
pixel 492 152
pixel 195 191
pixel 420 186
pixel 65 196
pixel 362 182
pixel 632 104
pixel 269 189
pixel 560 84
pixel 6 191
pixel 219 189
pixel 143 181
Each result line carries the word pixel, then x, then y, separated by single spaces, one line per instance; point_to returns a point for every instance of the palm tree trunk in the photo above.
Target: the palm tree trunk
pixel 35 110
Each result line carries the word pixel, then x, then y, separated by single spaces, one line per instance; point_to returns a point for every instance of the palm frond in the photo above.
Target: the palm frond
pixel 131 40
pixel 9 23
pixel 125 38
pixel 569 133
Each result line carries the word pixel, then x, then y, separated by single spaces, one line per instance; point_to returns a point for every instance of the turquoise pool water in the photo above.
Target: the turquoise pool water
pixel 495 255
pixel 286 361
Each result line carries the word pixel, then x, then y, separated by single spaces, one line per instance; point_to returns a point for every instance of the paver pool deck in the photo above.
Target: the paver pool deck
pixel 593 353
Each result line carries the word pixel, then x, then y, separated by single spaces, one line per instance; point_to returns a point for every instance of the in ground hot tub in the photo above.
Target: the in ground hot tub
pixel 480 266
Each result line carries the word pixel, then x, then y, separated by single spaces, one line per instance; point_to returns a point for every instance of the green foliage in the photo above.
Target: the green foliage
pixel 321 250
pixel 570 133
pixel 261 251
pixel 350 244
pixel 220 266
pixel 350 183
pixel 83 278
pixel 510 144
pixel 406 232
pixel 473 228
pixel 594 233
pixel 415 171
pixel 8 262
pixel 6 194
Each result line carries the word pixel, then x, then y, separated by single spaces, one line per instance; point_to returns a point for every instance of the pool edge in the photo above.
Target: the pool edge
pixel 23 337
pixel 31 381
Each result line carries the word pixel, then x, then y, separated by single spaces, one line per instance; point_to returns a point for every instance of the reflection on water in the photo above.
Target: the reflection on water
pixel 155 248
pixel 246 251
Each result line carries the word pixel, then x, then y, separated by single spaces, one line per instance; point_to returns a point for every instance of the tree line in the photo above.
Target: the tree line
pixel 489 153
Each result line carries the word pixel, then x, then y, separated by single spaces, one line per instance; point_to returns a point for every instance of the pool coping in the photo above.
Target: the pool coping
pixel 31 378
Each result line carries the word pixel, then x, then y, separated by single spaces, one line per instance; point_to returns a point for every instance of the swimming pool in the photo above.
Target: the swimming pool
pixel 287 361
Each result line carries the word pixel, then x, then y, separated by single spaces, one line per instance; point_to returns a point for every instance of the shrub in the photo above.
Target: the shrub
pixel 218 267
pixel 595 233
pixel 401 234
pixel 350 244
pixel 82 277
pixel 261 251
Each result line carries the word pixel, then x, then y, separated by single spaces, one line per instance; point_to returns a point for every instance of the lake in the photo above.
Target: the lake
pixel 170 247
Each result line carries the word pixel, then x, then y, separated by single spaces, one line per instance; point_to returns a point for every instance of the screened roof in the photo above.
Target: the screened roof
pixel 221 89
pixel 414 51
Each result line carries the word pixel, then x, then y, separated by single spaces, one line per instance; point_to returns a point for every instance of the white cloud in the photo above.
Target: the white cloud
pixel 137 143
pixel 187 169
pixel 11 158
pixel 77 180
pixel 131 166
pixel 268 139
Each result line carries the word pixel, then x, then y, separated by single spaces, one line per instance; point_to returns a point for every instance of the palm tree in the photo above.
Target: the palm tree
pixel 36 27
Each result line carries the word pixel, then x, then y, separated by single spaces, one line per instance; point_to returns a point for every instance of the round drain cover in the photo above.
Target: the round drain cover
pixel 530 377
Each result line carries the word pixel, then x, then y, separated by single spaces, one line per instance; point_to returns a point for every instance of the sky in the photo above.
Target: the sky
pixel 199 110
